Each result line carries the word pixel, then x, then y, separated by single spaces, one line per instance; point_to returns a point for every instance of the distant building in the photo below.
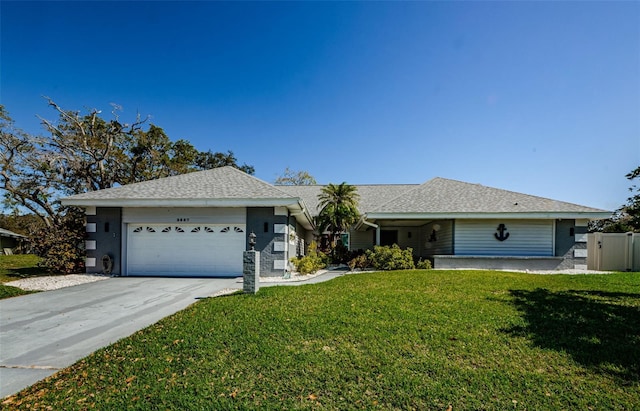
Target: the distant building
pixel 9 241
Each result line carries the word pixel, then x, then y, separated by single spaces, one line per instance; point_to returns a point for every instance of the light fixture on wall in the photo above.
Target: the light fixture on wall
pixel 433 237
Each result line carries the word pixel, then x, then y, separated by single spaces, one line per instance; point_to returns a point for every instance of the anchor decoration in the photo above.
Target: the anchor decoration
pixel 502 233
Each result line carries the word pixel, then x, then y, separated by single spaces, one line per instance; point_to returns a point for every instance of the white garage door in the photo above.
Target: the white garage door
pixel 212 250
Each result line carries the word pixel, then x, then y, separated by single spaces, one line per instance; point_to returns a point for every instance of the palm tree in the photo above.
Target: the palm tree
pixel 338 209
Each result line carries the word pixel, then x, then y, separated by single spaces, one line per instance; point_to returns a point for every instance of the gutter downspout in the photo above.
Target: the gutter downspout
pixel 363 221
pixel 305 212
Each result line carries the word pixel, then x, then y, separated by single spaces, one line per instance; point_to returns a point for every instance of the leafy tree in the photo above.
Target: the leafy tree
pixel 627 217
pixel 338 209
pixel 295 178
pixel 61 246
pixel 24 224
pixel 85 152
pixel 207 160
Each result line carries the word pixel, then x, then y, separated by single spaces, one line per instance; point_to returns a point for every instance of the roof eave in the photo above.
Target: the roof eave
pixel 541 215
pixel 294 204
pixel 178 202
pixel 301 214
pixel 14 235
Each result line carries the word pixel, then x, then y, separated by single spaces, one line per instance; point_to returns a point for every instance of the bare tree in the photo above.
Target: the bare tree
pixel 85 152
pixel 295 178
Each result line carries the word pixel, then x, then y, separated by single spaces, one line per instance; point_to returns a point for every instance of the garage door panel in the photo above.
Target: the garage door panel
pixel 185 249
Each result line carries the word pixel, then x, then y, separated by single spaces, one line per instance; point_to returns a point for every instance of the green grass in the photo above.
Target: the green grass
pixel 7 291
pixel 15 267
pixel 399 340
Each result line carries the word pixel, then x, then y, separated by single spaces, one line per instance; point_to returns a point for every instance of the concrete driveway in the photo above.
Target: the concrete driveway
pixel 44 332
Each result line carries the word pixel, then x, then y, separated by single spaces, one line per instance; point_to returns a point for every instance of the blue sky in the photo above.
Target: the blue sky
pixel 536 97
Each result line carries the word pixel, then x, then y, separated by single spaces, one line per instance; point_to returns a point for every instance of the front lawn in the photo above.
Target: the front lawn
pixel 398 340
pixel 15 267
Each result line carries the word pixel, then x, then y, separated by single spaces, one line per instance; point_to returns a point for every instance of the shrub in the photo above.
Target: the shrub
pixel 314 260
pixel 423 264
pixel 340 254
pixel 61 246
pixel 391 258
pixel 359 261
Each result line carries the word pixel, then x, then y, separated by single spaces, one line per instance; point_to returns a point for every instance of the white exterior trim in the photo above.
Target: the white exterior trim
pixel 180 202
pixel 486 216
pixel 581 238
pixel 554 233
pixel 580 253
pixel 296 205
pixel 278 246
pixel 279 210
pixel 184 215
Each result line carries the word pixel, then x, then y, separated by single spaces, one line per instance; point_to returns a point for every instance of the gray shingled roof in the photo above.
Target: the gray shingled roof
pixel 218 183
pixel 370 195
pixel 441 195
pixel 438 195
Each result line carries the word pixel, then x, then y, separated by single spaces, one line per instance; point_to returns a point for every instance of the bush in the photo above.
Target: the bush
pixel 61 247
pixel 314 260
pixel 423 264
pixel 359 261
pixel 340 254
pixel 391 258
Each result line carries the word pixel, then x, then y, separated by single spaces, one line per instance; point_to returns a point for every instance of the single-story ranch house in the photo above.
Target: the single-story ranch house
pixel 198 224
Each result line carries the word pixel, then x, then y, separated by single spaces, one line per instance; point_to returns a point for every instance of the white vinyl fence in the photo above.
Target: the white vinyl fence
pixel 613 251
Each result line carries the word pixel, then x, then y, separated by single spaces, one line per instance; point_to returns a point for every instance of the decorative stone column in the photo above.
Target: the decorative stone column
pixel 251 271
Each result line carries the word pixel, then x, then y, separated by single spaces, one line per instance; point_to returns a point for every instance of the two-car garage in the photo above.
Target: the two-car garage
pixel 194 224
pixel 185 250
pixel 207 249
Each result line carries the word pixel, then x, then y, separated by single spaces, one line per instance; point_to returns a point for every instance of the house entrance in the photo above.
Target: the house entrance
pixel 388 237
